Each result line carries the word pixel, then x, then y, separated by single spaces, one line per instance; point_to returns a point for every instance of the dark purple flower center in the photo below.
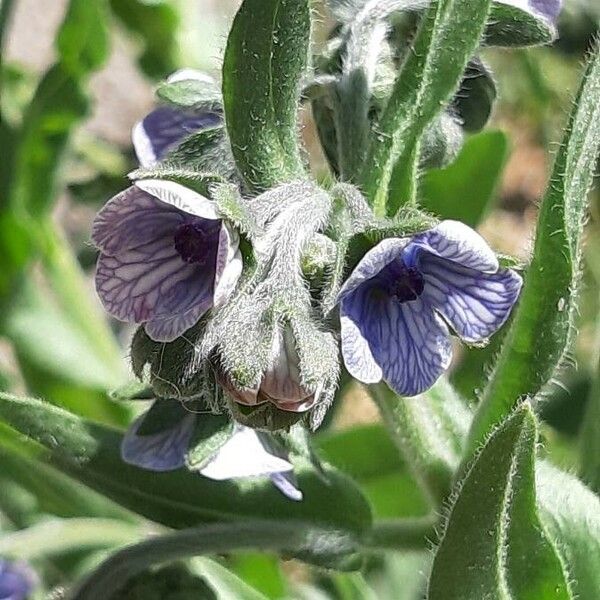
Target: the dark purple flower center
pixel 193 242
pixel 402 282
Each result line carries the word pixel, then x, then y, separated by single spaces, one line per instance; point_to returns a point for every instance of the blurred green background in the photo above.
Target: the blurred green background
pixel 71 90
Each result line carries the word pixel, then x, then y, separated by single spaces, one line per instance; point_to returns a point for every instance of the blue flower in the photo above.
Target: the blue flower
pixel 17 580
pixel 247 453
pixel 163 129
pixel 166 257
pixel 396 305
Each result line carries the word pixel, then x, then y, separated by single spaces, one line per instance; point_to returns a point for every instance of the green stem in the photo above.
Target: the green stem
pixel 218 538
pixel 68 282
pixel 402 534
pixel 429 431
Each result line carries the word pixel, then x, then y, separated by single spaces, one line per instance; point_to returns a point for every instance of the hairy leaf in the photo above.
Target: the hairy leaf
pixel 570 513
pixel 266 56
pixel 90 453
pixel 493 545
pixel 448 37
pixel 542 325
pixel 465 189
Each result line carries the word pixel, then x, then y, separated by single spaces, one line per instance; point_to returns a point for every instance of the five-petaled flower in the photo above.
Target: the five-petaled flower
pixel 247 453
pixel 395 305
pixel 281 383
pixel 17 580
pixel 164 128
pixel 166 257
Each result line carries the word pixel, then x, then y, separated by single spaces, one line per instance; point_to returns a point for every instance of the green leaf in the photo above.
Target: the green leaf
pixel 542 325
pixel 514 26
pixel 262 571
pixel 493 544
pixel 589 457
pixel 570 513
pixel 448 37
pixel 369 456
pixel 266 55
pixel 465 190
pixel 155 23
pixel 90 453
pixel 54 492
pixel 296 538
pixel 83 42
pixel 60 536
pixel 225 584
pixel 429 431
pixel 212 432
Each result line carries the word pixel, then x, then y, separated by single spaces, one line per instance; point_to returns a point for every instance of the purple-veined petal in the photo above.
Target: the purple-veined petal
pixel 132 218
pixel 372 262
pixel 228 267
pixel 152 283
pixel 475 304
pixel 163 129
pixel 181 197
pixel 356 351
pixel 243 455
pixel 286 483
pixel 407 341
pixel 457 242
pixel 164 451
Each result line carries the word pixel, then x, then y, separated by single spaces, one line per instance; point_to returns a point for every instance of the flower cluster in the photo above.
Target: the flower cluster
pixel 170 258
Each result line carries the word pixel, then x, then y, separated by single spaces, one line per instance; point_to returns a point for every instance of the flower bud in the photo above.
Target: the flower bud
pixel 281 383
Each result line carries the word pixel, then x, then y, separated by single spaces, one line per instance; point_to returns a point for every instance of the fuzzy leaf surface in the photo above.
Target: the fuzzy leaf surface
pixel 542 325
pixel 266 55
pixel 493 546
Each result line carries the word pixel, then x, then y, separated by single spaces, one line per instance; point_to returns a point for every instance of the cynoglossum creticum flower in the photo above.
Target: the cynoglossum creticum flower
pixel 396 304
pixel 17 580
pixel 166 257
pixel 164 128
pixel 245 453
pixel 281 383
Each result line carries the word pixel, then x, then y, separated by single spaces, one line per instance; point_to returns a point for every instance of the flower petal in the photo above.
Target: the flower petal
pixel 407 341
pixel 17 580
pixel 243 455
pixel 286 483
pixel 152 283
pixel 190 74
pixel 179 196
pixel 131 218
pixel 228 267
pixel 457 242
pixel 476 304
pixel 164 451
pixel 163 129
pixel 356 350
pixel 372 262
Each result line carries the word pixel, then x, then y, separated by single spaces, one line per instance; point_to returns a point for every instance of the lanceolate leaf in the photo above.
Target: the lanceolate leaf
pixel 493 545
pixel 590 438
pixel 450 193
pixel 266 55
pixel 543 323
pixel 570 513
pixel 448 38
pixel 90 453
